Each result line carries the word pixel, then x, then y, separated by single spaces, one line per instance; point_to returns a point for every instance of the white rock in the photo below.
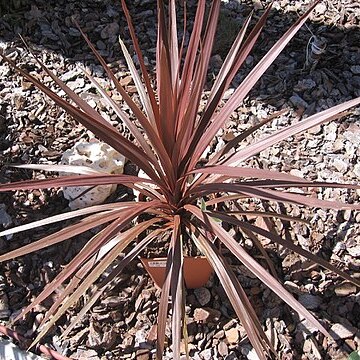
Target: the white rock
pixel 10 351
pixel 330 132
pixel 98 156
pixel 340 165
pixel 356 170
pixel 296 172
pixel 206 354
pixel 140 337
pixel 320 9
pixel 353 134
pixel 340 331
pixel 354 251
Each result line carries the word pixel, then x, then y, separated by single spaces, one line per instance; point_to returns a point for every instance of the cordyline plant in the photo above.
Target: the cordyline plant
pixel 171 132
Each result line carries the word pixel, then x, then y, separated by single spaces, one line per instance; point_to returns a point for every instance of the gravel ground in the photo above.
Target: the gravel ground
pixel 122 325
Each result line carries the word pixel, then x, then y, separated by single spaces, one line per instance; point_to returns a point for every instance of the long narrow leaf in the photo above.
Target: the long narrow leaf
pixel 148 128
pixel 278 196
pixel 145 100
pixel 289 245
pixel 248 83
pixel 176 287
pixel 75 180
pixel 100 288
pixel 67 216
pixel 223 81
pixel 108 134
pixel 74 169
pixel 63 234
pixel 256 268
pixel 150 91
pixel 124 117
pixel 314 120
pixel 235 293
pixel 92 247
pixel 243 172
pixel 123 240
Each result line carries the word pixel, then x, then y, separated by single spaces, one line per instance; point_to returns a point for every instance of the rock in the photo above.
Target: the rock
pixel 356 170
pixel 203 295
pixel 354 251
pixel 94 338
pixel 140 338
pixel 306 329
pixel 355 69
pixel 110 31
pixel 206 354
pixel 296 172
pixel 339 248
pixel 320 9
pixel 206 315
pixel 143 354
pixel 305 84
pixel 310 302
pixel 78 83
pixel 249 352
pixel 340 165
pixel 249 60
pixel 307 346
pixel 232 335
pixel 228 136
pixel 216 61
pixel 339 331
pixel 128 341
pixel 5 219
pixel 70 75
pixel 229 324
pixel 146 13
pixel 355 81
pixel 345 289
pixel 100 45
pixel 232 356
pixel 292 287
pixel 113 301
pixel 223 349
pixel 330 131
pixel 152 334
pixel 338 145
pixel 96 156
pixel 352 134
pixel 228 93
pixel 10 351
pixel 298 101
pixel 109 339
pixel 83 354
pixel 219 335
pixel 4 307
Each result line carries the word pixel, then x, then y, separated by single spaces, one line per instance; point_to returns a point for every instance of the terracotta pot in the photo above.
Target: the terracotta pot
pixel 197 270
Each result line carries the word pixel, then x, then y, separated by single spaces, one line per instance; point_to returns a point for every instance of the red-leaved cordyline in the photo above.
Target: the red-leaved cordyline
pixel 170 134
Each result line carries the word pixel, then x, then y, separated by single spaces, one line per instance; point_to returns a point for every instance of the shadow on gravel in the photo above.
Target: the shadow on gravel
pixel 47 25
